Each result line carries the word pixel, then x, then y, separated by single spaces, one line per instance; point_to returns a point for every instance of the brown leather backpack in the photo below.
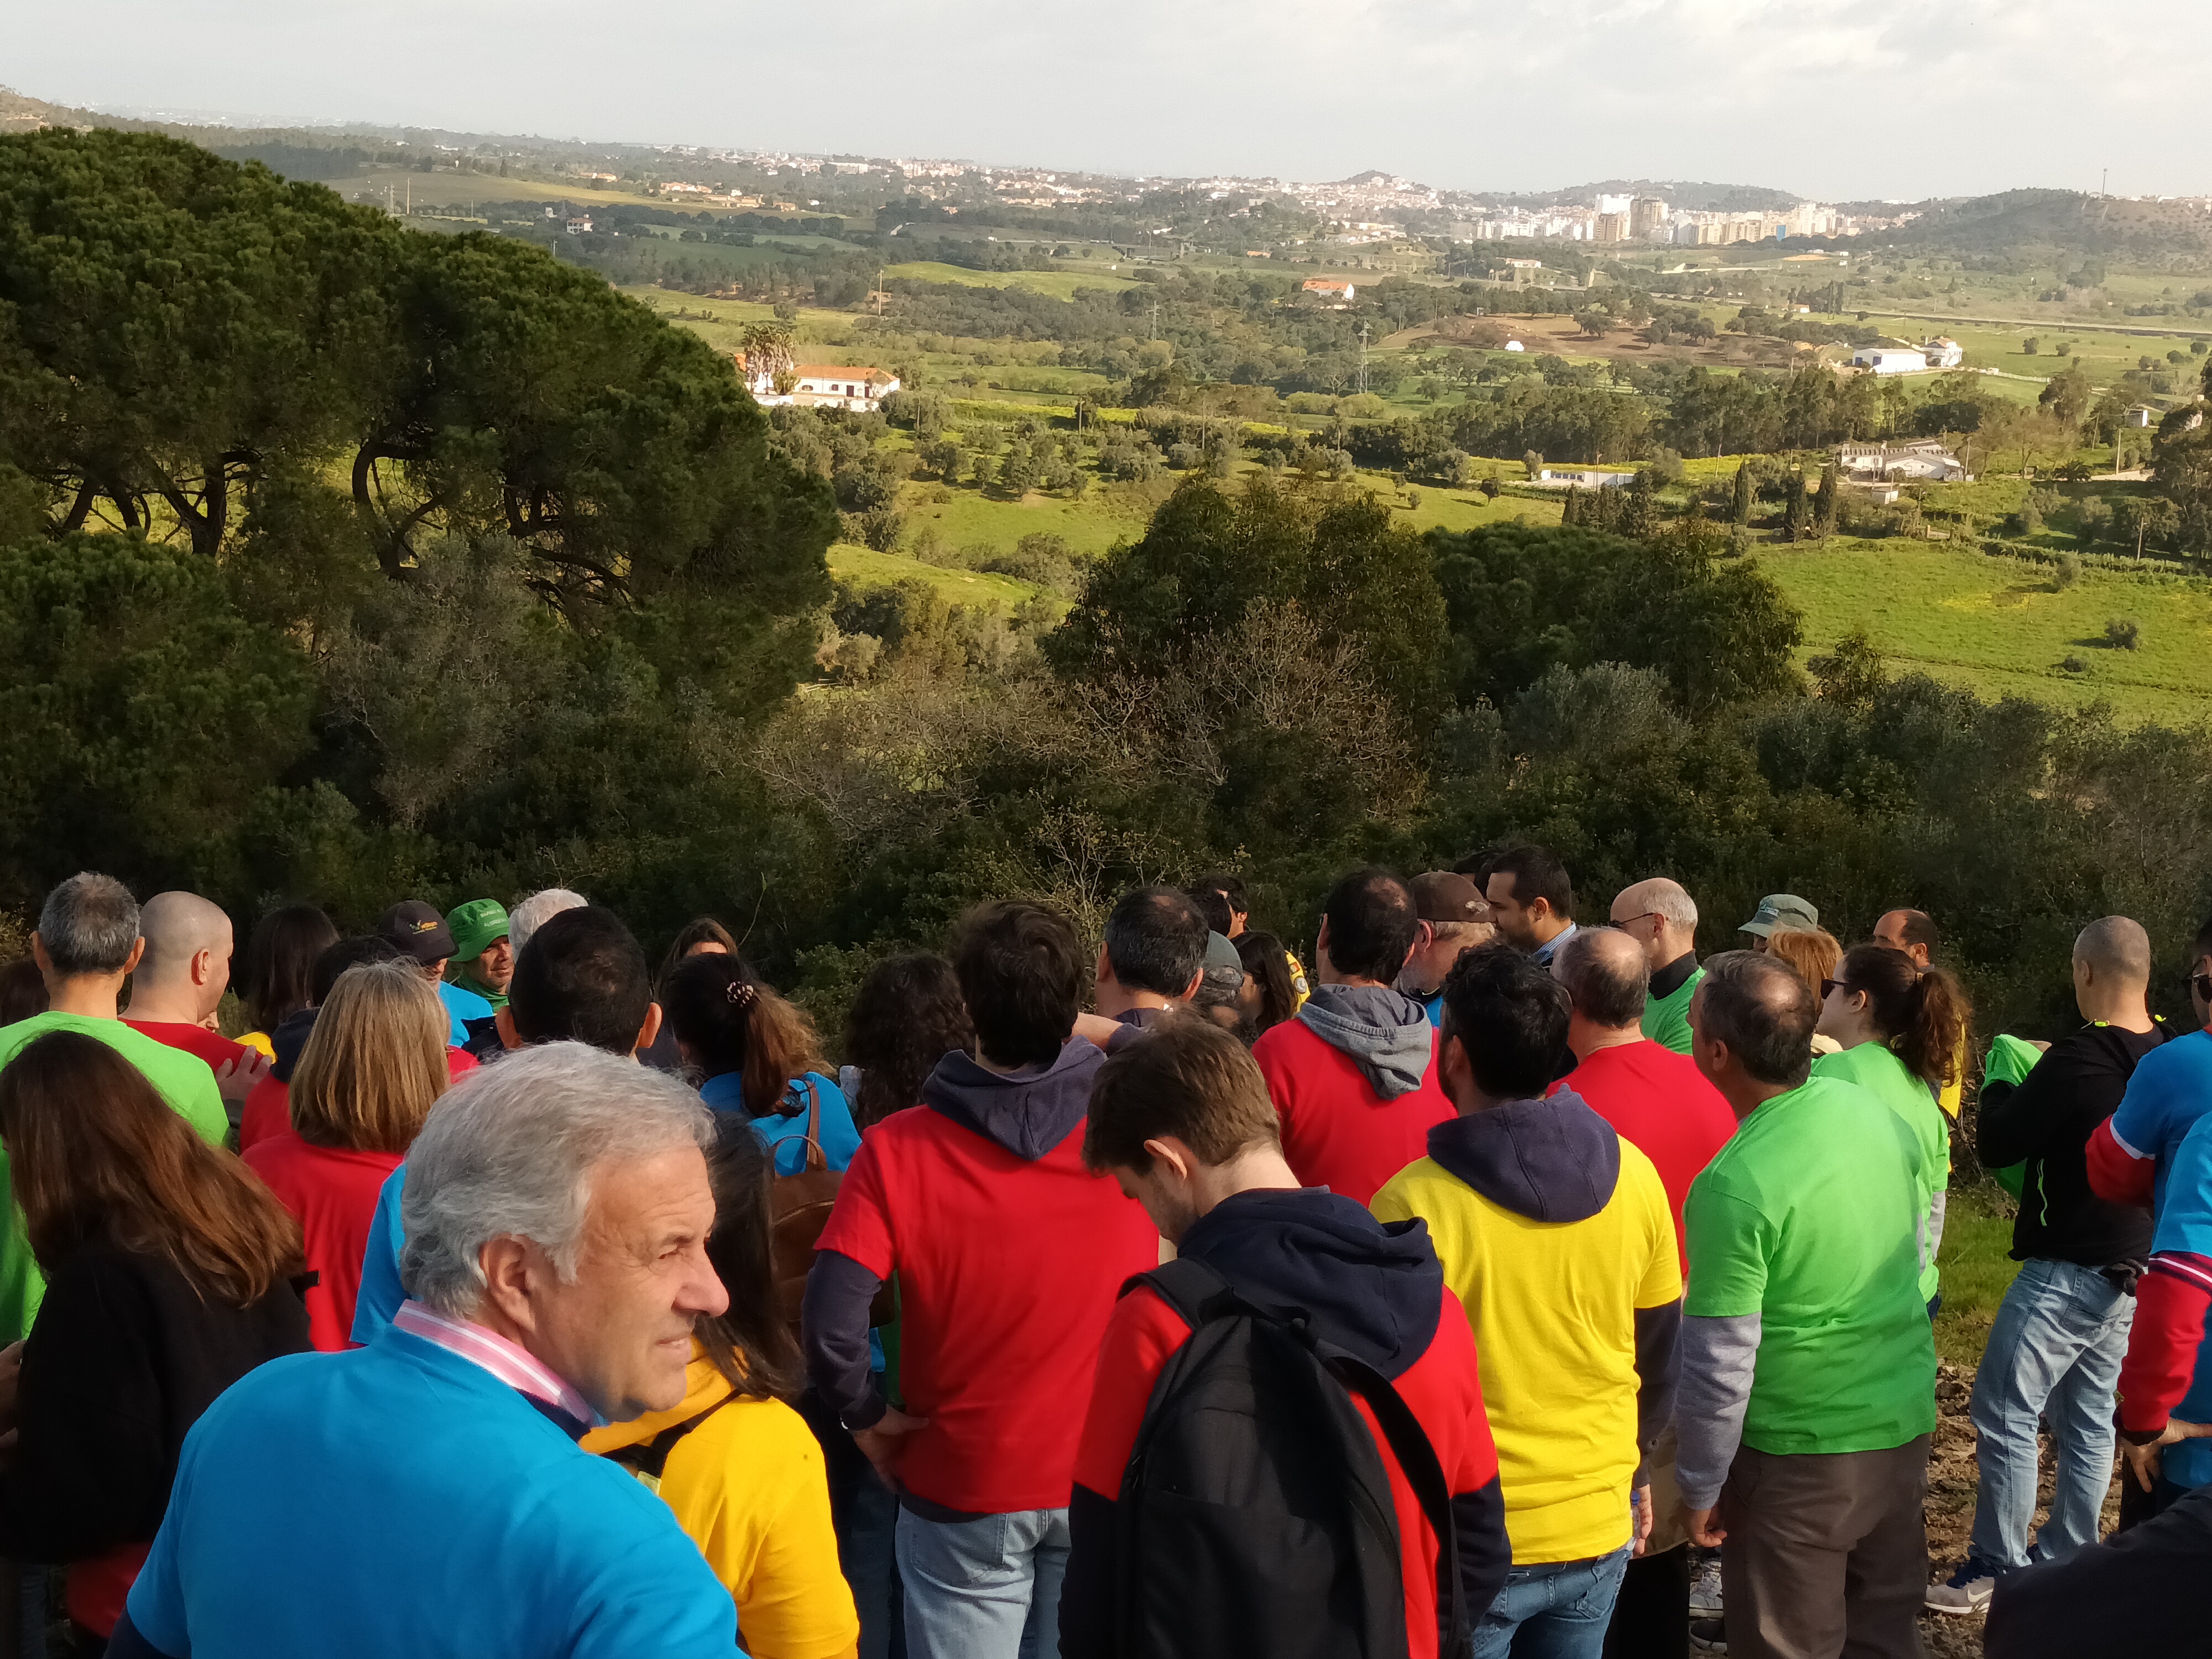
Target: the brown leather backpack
pixel 799 1208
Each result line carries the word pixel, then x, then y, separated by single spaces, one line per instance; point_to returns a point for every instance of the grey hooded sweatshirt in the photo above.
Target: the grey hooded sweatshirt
pixel 1385 1033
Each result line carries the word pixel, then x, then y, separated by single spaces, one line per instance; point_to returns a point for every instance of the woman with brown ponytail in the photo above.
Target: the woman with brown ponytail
pixel 1902 1028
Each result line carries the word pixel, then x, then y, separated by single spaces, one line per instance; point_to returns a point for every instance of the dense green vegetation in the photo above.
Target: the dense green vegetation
pixel 344 562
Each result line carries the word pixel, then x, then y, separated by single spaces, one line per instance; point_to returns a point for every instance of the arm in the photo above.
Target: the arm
pixel 91 1467
pixel 377 1303
pixel 125 1643
pixel 1484 1553
pixel 1658 1375
pixel 2119 1174
pixel 2018 1121
pixel 2162 1347
pixel 833 1326
pixel 1719 1357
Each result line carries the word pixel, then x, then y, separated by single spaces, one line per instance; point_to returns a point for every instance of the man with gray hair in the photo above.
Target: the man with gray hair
pixel 2055 1350
pixel 534 912
pixel 1808 1397
pixel 85 945
pixel 425 1495
pixel 1661 917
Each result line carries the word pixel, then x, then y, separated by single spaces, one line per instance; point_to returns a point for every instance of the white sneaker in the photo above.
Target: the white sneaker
pixel 1968 1590
pixel 1705 1591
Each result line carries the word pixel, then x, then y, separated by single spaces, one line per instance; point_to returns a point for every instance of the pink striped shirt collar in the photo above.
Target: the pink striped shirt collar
pixel 509 1362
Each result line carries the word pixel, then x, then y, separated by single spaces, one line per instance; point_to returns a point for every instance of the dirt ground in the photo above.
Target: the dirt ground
pixel 1950 1507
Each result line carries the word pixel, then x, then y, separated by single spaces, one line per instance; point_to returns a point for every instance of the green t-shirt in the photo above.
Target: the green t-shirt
pixel 1882 1074
pixel 1666 1019
pixel 1806 1218
pixel 182 1079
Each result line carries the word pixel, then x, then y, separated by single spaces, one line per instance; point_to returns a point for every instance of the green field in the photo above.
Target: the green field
pixel 2001 626
pixel 863 567
pixel 1978 1269
pixel 1060 284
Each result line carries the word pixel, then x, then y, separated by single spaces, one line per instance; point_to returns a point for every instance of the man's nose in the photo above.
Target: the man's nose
pixel 702 1291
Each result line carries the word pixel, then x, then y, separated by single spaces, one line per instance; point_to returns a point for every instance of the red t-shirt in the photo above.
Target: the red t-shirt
pixel 212 1047
pixel 1443 1388
pixel 331 1193
pixel 269 1104
pixel 1660 1103
pixel 1007 1273
pixel 1337 1132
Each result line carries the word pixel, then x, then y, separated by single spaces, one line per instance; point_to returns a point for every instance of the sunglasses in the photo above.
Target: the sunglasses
pixel 2202 984
pixel 1830 987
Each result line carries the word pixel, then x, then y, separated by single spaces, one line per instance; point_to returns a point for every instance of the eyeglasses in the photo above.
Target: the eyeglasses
pixel 1830 987
pixel 1640 916
pixel 2202 984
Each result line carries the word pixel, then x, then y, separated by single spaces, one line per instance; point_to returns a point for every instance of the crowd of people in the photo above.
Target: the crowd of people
pixel 1509 1284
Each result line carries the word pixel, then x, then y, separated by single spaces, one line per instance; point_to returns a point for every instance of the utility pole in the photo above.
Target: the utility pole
pixel 1152 332
pixel 1362 357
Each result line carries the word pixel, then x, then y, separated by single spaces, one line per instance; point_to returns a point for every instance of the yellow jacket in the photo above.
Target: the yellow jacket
pixel 748 1487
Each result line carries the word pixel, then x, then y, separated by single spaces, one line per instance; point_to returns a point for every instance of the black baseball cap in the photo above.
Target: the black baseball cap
pixel 417 929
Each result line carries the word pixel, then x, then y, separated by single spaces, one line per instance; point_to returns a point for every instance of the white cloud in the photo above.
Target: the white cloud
pixel 1839 98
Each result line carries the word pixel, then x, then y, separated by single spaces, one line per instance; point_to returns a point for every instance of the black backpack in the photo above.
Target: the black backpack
pixel 1256 1515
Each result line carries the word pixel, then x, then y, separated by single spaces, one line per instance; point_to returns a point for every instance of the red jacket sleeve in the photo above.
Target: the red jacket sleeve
pixel 1140 1337
pixel 2162 1347
pixel 2116 1175
pixel 860 1224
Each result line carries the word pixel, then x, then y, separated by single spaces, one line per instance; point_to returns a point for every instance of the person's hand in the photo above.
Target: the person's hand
pixel 2039 1045
pixel 236 1079
pixel 2143 1460
pixel 882 1442
pixel 11 1373
pixel 1097 1029
pixel 1639 1512
pixel 1700 1525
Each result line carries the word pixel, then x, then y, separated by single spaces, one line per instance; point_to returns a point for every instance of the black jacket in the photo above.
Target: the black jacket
pixel 2045 1121
pixel 123 1358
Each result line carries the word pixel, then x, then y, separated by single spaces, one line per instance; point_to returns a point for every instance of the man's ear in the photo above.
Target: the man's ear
pixel 137 954
pixel 1166 1149
pixel 510 1264
pixel 650 1029
pixel 1191 989
pixel 1321 946
pixel 202 966
pixel 1424 935
pixel 503 1018
pixel 1102 972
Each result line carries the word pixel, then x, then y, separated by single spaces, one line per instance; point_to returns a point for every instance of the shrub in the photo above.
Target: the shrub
pixel 2067 571
pixel 2073 666
pixel 2123 633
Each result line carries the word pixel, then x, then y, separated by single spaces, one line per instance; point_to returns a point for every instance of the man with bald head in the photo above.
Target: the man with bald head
pixel 1658 1102
pixel 179 984
pixel 2055 1350
pixel 1661 917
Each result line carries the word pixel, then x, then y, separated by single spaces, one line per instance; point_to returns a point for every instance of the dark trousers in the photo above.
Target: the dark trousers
pixel 1652 1616
pixel 1826 1553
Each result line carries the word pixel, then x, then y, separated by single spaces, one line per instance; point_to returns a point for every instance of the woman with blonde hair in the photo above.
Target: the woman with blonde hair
pixel 169 1276
pixel 375 1064
pixel 1812 954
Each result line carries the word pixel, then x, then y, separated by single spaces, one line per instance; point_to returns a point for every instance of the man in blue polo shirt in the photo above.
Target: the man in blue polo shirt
pixel 425 1495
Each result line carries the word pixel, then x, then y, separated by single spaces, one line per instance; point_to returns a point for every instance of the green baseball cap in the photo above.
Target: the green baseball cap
pixel 475 926
pixel 1775 910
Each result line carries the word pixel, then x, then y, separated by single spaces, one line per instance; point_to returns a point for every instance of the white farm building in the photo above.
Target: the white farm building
pixel 1890 360
pixel 827 385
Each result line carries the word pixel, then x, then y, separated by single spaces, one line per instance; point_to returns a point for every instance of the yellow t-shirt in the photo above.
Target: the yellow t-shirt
pixel 1552 1305
pixel 747 1488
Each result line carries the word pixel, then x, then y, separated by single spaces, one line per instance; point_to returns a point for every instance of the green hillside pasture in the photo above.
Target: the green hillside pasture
pixel 1060 284
pixel 971 519
pixel 2001 626
pixel 863 567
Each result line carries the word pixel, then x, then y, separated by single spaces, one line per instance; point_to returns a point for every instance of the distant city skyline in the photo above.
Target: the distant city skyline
pixel 1837 100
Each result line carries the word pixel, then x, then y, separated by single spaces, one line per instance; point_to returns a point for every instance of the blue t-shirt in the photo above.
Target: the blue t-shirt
pixel 2170 1089
pixel 1433 1005
pixel 400 1499
pixel 461 1007
pixel 378 1302
pixel 2184 1224
pixel 786 1136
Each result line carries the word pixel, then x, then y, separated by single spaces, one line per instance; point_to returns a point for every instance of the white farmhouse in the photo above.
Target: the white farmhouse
pixel 1889 360
pixel 827 386
pixel 1942 352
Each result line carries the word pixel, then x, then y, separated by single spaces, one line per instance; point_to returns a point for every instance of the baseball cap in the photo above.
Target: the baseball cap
pixel 417 929
pixel 475 926
pixel 1447 896
pixel 1781 911
pixel 1225 968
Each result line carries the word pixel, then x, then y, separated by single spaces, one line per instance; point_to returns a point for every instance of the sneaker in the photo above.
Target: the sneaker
pixel 1967 1590
pixel 1709 1635
pixel 1705 1591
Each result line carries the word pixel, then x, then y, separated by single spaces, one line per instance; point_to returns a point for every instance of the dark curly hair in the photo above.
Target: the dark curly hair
pixel 906 1016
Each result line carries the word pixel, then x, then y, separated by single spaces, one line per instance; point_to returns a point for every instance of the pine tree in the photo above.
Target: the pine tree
pixel 1571 508
pixel 1640 513
pixel 1795 518
pixel 1743 494
pixel 1831 505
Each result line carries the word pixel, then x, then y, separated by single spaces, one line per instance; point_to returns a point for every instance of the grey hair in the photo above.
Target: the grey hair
pixel 88 925
pixel 509 1152
pixel 2117 946
pixel 1665 898
pixel 534 912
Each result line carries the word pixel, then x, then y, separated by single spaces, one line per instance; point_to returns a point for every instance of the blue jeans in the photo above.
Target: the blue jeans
pixel 1553 1610
pixel 2054 1354
pixel 985 1589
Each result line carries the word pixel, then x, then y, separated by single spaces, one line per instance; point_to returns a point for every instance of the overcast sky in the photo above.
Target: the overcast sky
pixel 1839 99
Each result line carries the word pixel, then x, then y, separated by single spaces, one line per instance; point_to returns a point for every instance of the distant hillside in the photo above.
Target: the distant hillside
pixel 2041 223
pixel 22 114
pixel 1675 192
